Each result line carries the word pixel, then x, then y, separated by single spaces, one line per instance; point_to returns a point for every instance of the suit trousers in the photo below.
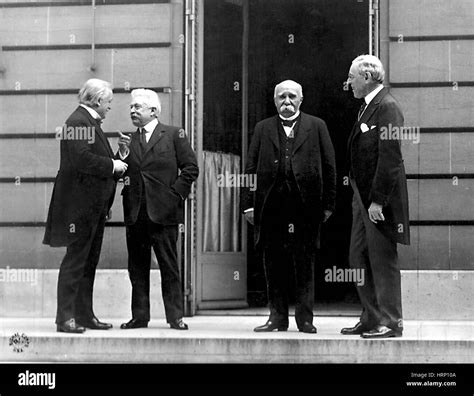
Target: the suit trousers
pixel 289 244
pixel 77 274
pixel 141 237
pixel 376 255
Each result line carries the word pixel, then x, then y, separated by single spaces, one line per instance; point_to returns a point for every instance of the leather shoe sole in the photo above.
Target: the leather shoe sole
pixel 382 332
pixel 358 329
pixel 133 325
pixel 179 325
pixel 269 326
pixel 308 328
pixel 94 324
pixel 71 330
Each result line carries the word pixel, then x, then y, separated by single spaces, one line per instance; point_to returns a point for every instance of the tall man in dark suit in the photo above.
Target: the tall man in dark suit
pixel 380 202
pixel 293 158
pixel 161 169
pixel 82 196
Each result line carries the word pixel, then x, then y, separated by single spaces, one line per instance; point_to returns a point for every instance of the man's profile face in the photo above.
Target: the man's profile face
pixel 358 82
pixel 104 104
pixel 287 100
pixel 140 113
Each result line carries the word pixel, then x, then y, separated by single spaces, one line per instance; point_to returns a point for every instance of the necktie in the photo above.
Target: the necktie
pixel 361 110
pixel 142 141
pixel 287 123
pixel 142 137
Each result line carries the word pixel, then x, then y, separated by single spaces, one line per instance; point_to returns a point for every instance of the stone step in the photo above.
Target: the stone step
pixel 230 339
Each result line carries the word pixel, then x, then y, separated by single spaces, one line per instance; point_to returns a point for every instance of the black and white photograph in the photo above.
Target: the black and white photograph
pixel 258 193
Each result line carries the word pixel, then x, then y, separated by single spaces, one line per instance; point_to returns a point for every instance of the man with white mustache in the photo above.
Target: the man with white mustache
pixel 293 158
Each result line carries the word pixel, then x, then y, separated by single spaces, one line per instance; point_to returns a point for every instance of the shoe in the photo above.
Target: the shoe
pixel 358 329
pixel 381 332
pixel 94 324
pixel 134 324
pixel 270 326
pixel 70 326
pixel 178 324
pixel 308 328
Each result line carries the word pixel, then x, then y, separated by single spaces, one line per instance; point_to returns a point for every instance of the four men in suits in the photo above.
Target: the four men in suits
pixel 82 196
pixel 293 158
pixel 161 169
pixel 380 203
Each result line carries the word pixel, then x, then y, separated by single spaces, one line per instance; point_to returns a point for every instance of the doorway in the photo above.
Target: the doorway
pixel 249 47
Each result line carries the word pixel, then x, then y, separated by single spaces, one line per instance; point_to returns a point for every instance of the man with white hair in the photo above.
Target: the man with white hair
pixel 83 193
pixel 161 169
pixel 380 203
pixel 293 157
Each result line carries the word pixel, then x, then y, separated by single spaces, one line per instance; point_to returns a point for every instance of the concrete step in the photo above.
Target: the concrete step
pixel 230 339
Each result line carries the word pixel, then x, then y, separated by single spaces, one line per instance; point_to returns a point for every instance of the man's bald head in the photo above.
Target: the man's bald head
pixel 288 84
pixel 288 97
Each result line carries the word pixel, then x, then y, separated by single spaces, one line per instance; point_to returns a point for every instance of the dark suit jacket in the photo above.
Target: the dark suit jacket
pixel 312 161
pixel 376 164
pixel 165 173
pixel 84 183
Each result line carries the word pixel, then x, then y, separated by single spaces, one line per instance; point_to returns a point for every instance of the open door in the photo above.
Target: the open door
pixel 221 274
pixel 248 46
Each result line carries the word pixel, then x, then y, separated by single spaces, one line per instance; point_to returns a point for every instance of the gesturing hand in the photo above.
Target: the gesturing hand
pixel 124 143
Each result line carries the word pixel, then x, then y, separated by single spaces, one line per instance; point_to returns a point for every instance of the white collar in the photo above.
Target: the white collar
pixel 293 117
pixel 369 97
pixel 92 112
pixel 150 127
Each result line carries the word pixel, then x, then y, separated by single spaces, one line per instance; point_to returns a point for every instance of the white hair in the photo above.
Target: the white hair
pixel 370 64
pixel 289 84
pixel 147 97
pixel 93 90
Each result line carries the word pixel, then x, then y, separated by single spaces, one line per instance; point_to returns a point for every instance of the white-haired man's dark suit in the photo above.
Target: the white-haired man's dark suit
pixel 377 175
pixel 296 182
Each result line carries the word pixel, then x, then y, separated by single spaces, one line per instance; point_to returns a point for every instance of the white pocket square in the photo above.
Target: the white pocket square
pixel 364 128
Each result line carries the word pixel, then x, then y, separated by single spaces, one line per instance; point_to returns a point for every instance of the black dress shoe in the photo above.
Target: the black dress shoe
pixel 382 332
pixel 270 326
pixel 94 324
pixel 308 328
pixel 70 326
pixel 134 324
pixel 179 325
pixel 358 329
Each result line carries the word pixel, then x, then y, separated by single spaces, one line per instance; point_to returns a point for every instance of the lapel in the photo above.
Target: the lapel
pixel 156 136
pixel 98 130
pixel 272 130
pixel 303 133
pixel 369 111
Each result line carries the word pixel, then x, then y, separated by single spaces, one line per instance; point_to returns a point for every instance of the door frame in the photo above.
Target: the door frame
pixel 194 107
